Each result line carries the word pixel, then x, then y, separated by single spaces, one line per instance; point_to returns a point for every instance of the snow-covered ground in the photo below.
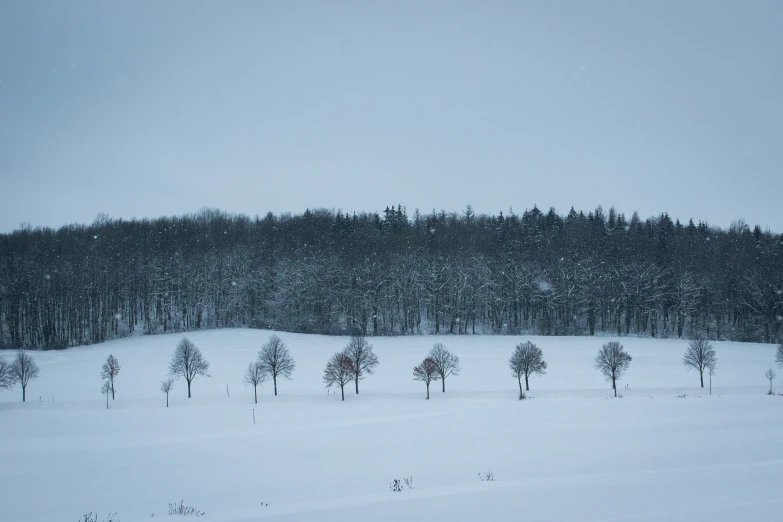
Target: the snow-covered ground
pixel 570 453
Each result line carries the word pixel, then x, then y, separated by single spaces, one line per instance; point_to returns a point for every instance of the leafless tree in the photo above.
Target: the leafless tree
pixel 276 360
pixel 23 369
pixel 770 375
pixel 339 371
pixel 361 355
pixel 106 390
pixel 426 372
pixel 447 362
pixel 526 360
pixel 779 355
pixel 109 371
pixel 699 355
pixel 188 362
pixel 166 386
pixel 6 380
pixel 254 375
pixel 612 360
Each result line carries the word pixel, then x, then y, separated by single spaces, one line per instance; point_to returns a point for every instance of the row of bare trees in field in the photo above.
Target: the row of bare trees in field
pixel 538 273
pixel 357 360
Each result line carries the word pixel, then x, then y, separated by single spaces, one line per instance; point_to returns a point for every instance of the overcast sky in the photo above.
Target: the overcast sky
pixel 143 109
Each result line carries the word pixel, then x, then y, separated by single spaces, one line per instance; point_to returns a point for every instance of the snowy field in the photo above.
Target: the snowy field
pixel 571 452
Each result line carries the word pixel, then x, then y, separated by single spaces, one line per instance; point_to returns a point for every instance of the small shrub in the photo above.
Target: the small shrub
pixel 770 392
pixel 93 517
pixel 487 477
pixel 399 485
pixel 182 509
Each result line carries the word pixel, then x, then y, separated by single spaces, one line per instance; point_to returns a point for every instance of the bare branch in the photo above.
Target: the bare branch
pixel 612 361
pixel 188 362
pixel 23 370
pixel 446 362
pixel 6 379
pixel 364 361
pixel 276 360
pixel 700 355
pixel 527 360
pixel 109 372
pixel 166 386
pixel 255 375
pixel 339 371
pixel 427 372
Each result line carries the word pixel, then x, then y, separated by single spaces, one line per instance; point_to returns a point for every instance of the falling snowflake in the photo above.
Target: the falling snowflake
pixel 543 286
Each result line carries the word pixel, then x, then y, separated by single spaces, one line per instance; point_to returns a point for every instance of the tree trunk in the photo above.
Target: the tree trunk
pixel 255 393
pixel 107 401
pixel 188 389
pixel 519 380
pixel 701 376
pixel 112 388
pixel 428 391
pixel 527 386
pixel 443 383
pixel 357 385
pixel 274 379
pixel 614 386
pixel 167 399
pixel 24 394
pixel 342 391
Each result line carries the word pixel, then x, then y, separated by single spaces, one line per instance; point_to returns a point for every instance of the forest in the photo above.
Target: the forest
pixel 328 272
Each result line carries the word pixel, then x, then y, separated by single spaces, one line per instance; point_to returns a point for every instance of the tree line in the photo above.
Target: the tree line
pixel 357 360
pixel 326 272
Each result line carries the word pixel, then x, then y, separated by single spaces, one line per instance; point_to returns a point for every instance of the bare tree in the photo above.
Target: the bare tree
pixel 447 362
pixel 612 361
pixel 770 375
pixel 6 380
pixel 105 390
pixel 166 386
pixel 779 355
pixel 109 372
pixel 188 362
pixel 254 375
pixel 276 360
pixel 699 355
pixel 23 369
pixel 527 360
pixel 426 372
pixel 711 368
pixel 339 371
pixel 363 359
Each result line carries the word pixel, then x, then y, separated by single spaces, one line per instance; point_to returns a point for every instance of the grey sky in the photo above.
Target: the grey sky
pixel 158 108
